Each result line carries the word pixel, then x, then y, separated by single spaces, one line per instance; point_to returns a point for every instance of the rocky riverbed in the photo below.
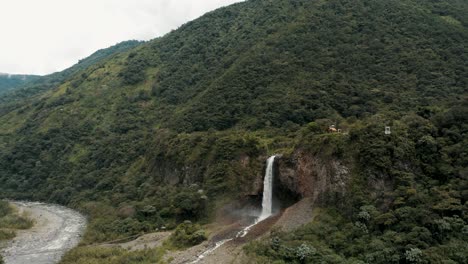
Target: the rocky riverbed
pixel 56 230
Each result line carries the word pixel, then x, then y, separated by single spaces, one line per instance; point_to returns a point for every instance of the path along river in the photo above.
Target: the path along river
pixel 56 230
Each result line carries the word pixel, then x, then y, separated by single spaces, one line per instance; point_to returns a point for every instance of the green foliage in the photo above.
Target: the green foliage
pixel 134 70
pixel 187 234
pixel 148 135
pixel 108 223
pixel 101 255
pixel 337 241
pixel 15 222
pixel 414 255
pixel 322 64
pixel 6 235
pixel 403 206
pixel 5 208
pixel 10 221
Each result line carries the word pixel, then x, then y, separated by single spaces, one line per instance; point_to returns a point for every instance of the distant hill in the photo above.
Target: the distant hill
pixel 172 129
pixel 97 57
pixel 9 82
pixel 39 84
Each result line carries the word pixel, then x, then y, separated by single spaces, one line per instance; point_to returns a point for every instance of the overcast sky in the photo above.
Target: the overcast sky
pixel 44 36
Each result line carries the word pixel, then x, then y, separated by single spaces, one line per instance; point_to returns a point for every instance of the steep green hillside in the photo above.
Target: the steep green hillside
pixel 296 61
pixel 9 82
pixel 177 126
pixel 97 57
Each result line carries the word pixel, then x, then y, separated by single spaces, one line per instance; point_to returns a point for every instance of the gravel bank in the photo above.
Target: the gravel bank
pixel 57 229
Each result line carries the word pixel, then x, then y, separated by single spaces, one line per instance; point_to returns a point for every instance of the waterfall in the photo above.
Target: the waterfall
pixel 267 201
pixel 267 209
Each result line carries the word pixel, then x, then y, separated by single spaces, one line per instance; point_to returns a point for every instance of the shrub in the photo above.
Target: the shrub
pixel 6 235
pixel 15 222
pixel 86 255
pixel 4 208
pixel 187 235
pixel 304 251
pixel 414 255
pixel 134 70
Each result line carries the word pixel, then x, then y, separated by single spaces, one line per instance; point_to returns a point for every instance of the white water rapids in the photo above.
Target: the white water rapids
pixel 267 209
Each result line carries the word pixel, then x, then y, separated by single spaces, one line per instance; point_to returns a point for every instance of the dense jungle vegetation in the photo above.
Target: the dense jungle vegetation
pixel 155 134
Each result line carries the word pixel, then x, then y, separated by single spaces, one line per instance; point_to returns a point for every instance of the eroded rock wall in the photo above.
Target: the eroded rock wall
pixel 306 175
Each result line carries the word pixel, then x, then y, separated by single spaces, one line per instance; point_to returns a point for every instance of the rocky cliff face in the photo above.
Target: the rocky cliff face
pixel 301 175
pixel 305 175
pixel 173 174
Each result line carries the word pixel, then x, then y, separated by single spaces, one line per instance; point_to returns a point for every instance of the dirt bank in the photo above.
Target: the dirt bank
pixel 56 230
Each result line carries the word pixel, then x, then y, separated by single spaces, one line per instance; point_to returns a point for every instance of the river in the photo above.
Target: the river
pixel 56 230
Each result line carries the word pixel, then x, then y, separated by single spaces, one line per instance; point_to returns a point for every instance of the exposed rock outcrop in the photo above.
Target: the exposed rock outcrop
pixel 306 175
pixel 173 174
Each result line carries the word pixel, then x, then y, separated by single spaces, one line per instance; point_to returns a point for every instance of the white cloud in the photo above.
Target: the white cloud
pixel 43 36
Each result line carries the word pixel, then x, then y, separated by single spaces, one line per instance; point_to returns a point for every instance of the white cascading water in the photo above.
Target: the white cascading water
pixel 267 208
pixel 267 201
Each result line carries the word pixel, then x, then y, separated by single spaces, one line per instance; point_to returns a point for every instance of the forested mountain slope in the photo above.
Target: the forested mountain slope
pixel 203 106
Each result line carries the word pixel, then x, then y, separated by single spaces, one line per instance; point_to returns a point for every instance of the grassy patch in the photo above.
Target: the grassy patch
pixel 451 20
pixel 10 221
pixel 6 235
pixel 91 255
pixel 187 235
pixel 14 221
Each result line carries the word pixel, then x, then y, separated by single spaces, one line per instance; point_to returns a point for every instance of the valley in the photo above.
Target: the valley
pixel 163 145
